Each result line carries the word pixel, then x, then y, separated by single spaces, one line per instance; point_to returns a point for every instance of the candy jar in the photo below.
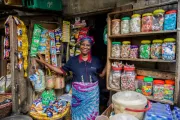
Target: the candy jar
pixel 125 25
pixel 115 78
pixel 128 79
pixel 158 19
pixel 134 51
pixel 158 89
pixel 125 49
pixel 116 26
pixel 135 23
pixel 156 49
pixel 169 89
pixel 116 49
pixel 170 20
pixel 139 83
pixel 147 86
pixel 168 49
pixel 145 49
pixel 147 22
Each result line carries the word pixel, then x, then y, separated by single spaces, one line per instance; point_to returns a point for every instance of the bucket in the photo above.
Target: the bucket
pixel 130 102
pixel 102 117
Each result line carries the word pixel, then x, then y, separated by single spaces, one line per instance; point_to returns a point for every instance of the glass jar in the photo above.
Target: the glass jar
pixel 135 23
pixel 134 51
pixel 139 83
pixel 115 77
pixel 145 49
pixel 128 79
pixel 169 89
pixel 170 20
pixel 158 20
pixel 116 49
pixel 168 49
pixel 125 49
pixel 125 25
pixel 156 49
pixel 147 86
pixel 158 89
pixel 147 22
pixel 115 26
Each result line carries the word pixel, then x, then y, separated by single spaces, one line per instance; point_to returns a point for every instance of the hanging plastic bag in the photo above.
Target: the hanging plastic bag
pixel 105 35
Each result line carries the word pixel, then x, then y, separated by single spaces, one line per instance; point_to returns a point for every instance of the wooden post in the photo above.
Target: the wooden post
pixel 177 83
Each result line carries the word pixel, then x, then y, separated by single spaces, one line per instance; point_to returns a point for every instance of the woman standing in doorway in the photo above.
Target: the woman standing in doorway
pixel 86 71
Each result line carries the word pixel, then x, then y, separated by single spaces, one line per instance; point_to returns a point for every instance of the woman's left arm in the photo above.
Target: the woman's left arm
pixel 103 73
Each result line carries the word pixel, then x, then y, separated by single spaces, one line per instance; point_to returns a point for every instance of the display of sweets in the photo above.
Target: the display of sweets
pixel 145 49
pixel 158 19
pixel 125 49
pixel 169 89
pixel 176 113
pixel 147 86
pixel 134 51
pixel 135 23
pixel 116 26
pixel 116 49
pixel 158 89
pixel 159 111
pixel 168 49
pixel 170 20
pixel 125 25
pixel 156 49
pixel 147 22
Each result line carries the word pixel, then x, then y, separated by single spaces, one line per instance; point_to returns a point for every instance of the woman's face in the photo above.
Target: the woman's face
pixel 85 47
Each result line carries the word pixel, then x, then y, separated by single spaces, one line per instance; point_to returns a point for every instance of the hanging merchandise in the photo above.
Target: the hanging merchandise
pixel 38 80
pixel 42 43
pixel 156 49
pixel 66 31
pixel 105 35
pixel 83 32
pixel 50 83
pixel 147 22
pixel 170 20
pixel 125 25
pixel 135 23
pixel 58 39
pixel 53 48
pixel 145 49
pixel 59 82
pixel 22 45
pixel 116 26
pixel 158 20
pixel 168 49
pixel 7 41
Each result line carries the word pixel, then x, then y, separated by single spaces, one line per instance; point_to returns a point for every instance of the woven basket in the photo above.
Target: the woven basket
pixel 5 109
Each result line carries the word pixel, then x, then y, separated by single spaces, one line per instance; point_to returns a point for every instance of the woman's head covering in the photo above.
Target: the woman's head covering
pixel 88 38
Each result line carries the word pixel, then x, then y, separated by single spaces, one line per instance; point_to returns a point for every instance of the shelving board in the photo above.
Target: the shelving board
pixel 143 60
pixel 149 98
pixel 142 34
pixel 146 7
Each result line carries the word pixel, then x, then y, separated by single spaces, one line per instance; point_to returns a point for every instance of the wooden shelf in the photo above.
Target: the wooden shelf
pixel 149 98
pixel 146 7
pixel 143 60
pixel 142 34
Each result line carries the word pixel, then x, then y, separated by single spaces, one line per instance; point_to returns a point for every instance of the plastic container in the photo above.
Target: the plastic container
pixel 139 83
pixel 130 102
pixel 170 20
pixel 122 116
pixel 156 49
pixel 44 4
pixel 145 49
pixel 169 89
pixel 116 49
pixel 115 78
pixel 158 89
pixel 147 86
pixel 134 51
pixel 147 22
pixel 125 25
pixel 116 26
pixel 158 20
pixel 128 79
pixel 168 49
pixel 125 49
pixel 135 23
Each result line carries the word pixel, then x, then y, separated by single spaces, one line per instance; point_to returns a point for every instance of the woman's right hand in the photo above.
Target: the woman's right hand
pixel 41 60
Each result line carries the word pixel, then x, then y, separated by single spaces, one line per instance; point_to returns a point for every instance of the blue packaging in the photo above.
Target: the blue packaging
pixel 170 20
